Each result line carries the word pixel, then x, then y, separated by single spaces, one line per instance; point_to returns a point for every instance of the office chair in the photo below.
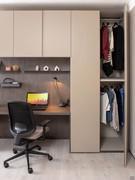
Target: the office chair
pixel 25 131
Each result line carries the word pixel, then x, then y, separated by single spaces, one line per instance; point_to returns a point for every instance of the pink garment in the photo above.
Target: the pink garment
pixel 105 42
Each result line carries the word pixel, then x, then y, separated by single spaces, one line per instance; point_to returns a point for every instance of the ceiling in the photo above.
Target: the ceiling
pixel 63 1
pixel 54 3
pixel 105 6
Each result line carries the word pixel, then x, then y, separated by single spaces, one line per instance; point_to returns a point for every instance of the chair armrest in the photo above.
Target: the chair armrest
pixel 45 127
pixel 44 123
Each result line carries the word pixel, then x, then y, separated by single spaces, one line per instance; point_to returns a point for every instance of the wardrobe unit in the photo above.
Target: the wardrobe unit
pixel 87 133
pixel 74 34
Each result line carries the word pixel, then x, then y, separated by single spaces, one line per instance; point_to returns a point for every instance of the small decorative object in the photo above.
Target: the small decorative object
pixel 10 83
pixel 37 68
pixel 56 68
pixel 46 68
pixel 15 67
pixel 8 68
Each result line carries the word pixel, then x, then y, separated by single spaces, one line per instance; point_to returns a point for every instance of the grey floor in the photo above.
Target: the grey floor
pixel 66 166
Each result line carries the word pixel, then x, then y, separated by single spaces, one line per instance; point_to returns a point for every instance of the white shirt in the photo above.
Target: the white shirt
pixel 115 116
pixel 105 106
pixel 111 43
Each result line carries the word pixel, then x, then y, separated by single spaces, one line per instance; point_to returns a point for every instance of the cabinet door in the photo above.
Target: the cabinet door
pixel 6 33
pixel 27 33
pixel 85 82
pixel 56 33
pixel 132 83
pixel 126 85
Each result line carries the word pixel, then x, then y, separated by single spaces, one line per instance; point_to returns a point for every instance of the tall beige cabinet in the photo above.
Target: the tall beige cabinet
pixel 85 81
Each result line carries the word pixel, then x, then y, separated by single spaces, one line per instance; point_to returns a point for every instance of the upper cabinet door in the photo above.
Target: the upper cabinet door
pixel 56 33
pixel 28 33
pixel 6 33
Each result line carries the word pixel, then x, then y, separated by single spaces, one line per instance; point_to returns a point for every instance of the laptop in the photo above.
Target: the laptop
pixel 39 101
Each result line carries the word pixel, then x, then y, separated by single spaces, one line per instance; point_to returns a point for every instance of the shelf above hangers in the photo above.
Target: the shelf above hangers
pixel 112 80
pixel 111 19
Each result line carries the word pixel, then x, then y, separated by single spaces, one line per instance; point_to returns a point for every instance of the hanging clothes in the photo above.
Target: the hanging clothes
pixel 115 117
pixel 106 59
pixel 107 68
pixel 112 107
pixel 120 100
pixel 109 114
pixel 111 43
pixel 104 42
pixel 105 106
pixel 118 53
pixel 112 48
pixel 112 115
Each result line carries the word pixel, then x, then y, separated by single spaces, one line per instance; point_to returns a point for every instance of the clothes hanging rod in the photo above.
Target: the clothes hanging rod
pixel 111 19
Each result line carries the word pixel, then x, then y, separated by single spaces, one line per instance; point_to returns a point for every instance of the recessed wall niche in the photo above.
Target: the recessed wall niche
pixel 34 78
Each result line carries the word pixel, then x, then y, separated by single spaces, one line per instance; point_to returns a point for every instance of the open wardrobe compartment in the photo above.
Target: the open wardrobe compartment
pixel 112 116
pixel 99 81
pixel 113 84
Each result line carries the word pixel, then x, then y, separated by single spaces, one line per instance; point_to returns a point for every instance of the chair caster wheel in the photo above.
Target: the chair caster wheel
pixel 30 170
pixel 50 158
pixel 14 151
pixel 6 165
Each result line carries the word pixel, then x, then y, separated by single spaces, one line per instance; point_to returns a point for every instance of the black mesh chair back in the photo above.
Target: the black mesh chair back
pixel 21 117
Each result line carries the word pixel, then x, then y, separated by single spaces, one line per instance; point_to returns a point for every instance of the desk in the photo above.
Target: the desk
pixel 54 110
pixel 60 126
pixel 51 110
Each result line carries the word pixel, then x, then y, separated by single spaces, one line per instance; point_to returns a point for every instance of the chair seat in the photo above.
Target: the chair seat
pixel 36 134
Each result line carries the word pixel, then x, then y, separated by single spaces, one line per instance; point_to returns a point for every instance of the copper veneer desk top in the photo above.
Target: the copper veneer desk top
pixel 51 110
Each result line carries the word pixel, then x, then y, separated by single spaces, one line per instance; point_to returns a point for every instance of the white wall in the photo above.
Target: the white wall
pixel 131 4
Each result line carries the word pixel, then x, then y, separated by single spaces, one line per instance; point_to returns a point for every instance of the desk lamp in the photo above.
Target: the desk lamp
pixel 62 102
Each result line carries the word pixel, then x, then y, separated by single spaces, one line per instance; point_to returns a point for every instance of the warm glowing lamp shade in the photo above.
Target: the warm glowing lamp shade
pixel 62 102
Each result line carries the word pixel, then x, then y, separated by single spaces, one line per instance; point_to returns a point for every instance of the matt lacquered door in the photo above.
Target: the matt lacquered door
pixel 6 33
pixel 28 33
pixel 56 33
pixel 85 81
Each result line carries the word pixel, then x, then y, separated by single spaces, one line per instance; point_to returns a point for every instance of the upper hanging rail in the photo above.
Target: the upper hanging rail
pixel 111 19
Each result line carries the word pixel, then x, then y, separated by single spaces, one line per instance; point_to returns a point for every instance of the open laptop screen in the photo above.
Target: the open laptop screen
pixel 37 98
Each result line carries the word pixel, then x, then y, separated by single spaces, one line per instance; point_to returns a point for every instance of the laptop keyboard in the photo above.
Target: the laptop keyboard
pixel 39 108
